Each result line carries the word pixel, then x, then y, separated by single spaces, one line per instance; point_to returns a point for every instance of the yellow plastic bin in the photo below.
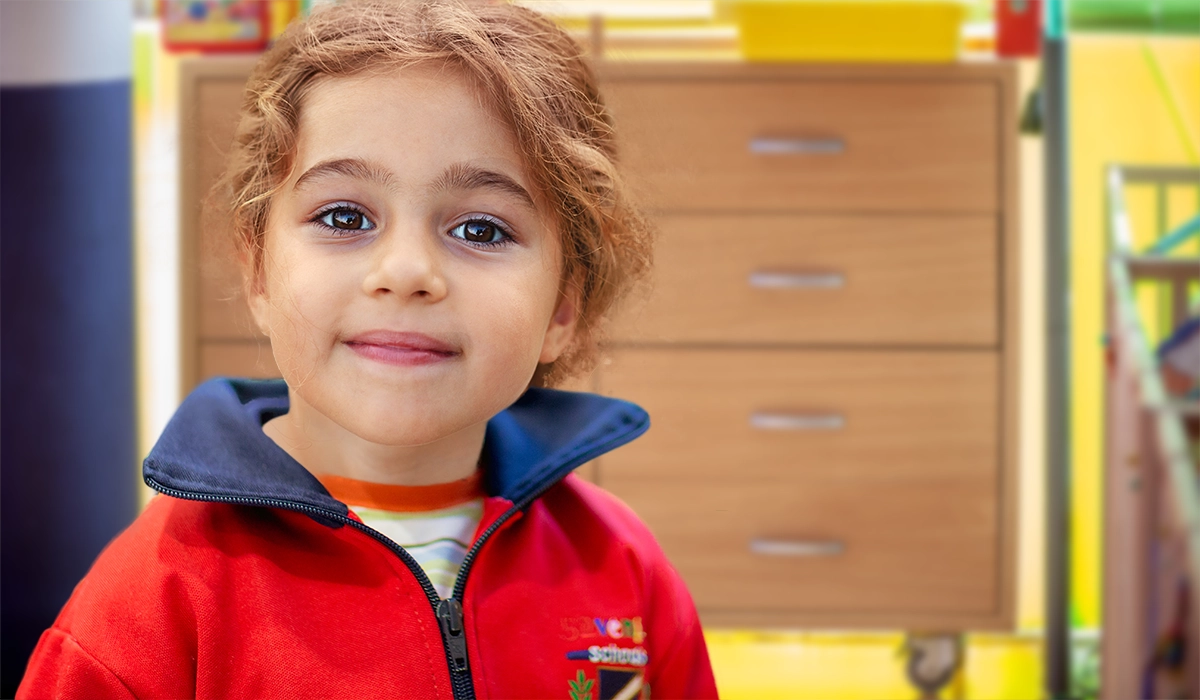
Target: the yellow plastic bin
pixel 854 31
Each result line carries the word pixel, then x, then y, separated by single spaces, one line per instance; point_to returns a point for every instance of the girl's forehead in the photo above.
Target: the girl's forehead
pixel 402 96
pixel 419 118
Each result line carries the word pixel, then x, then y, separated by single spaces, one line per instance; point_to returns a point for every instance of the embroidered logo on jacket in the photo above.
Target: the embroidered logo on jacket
pixel 615 684
pixel 619 628
pixel 611 654
pixel 574 628
pixel 620 684
pixel 581 687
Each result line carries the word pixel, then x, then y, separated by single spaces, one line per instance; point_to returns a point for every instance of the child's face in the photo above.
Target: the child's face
pixel 409 214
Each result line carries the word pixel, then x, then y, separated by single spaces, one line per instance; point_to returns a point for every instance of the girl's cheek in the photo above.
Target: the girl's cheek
pixel 523 351
pixel 294 321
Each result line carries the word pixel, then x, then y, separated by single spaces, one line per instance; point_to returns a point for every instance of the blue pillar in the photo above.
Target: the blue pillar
pixel 68 460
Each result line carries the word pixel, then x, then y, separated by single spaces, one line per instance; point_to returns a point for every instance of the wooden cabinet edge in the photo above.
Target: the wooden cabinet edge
pixel 1010 337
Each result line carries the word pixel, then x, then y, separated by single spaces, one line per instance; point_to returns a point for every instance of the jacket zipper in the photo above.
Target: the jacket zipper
pixel 448 611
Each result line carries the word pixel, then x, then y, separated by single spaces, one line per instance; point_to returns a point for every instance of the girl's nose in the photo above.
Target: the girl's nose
pixel 407 263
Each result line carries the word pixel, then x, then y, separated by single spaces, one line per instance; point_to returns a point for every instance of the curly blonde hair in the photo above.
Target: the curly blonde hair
pixel 531 72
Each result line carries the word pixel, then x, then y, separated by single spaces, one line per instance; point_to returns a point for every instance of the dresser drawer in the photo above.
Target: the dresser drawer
pixel 764 414
pixel 813 145
pixel 840 546
pixel 821 279
pixel 813 488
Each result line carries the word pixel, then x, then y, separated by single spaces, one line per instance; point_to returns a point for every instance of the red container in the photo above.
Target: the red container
pixel 215 26
pixel 1018 27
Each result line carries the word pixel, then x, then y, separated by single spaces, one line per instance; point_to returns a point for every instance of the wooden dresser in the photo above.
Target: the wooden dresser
pixel 829 353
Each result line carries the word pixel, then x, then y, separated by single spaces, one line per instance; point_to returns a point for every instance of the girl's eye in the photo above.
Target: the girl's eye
pixel 481 232
pixel 345 218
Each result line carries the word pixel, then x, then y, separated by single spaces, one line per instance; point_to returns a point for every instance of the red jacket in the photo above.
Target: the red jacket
pixel 249 580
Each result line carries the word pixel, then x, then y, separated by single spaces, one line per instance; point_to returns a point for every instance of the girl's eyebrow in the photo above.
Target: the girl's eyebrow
pixel 356 168
pixel 459 176
pixel 465 176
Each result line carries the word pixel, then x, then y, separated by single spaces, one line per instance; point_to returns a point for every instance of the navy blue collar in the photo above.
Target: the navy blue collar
pixel 214 447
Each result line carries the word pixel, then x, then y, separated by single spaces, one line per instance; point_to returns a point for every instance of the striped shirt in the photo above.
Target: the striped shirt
pixel 435 524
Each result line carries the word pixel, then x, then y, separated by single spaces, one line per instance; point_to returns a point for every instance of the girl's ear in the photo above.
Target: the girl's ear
pixel 561 330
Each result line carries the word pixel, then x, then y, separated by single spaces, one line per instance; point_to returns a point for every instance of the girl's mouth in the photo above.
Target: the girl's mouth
pixel 402 348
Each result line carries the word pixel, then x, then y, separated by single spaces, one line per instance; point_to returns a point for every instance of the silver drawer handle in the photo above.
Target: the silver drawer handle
pixel 782 279
pixel 763 420
pixel 768 146
pixel 797 548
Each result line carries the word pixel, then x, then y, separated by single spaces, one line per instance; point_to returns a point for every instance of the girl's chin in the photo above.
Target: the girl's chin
pixel 404 430
pixel 415 414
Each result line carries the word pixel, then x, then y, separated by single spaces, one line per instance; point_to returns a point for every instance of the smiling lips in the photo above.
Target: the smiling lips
pixel 396 348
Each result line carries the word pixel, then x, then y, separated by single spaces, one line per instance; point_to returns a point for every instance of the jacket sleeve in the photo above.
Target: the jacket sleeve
pixel 128 629
pixel 61 668
pixel 679 666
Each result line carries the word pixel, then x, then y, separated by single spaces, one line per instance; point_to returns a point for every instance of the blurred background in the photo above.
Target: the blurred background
pixel 921 350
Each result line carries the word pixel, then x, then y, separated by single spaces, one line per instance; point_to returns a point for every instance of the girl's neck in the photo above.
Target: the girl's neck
pixel 324 447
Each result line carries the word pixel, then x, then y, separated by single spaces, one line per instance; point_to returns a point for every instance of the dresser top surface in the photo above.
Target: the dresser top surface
pixel 230 66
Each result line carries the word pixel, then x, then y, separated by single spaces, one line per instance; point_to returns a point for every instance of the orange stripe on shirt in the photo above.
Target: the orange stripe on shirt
pixel 398 498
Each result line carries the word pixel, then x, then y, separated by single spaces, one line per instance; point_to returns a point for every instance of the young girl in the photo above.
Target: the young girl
pixel 432 227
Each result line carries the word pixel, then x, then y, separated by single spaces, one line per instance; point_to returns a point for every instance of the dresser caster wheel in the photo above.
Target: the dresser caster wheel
pixel 933 659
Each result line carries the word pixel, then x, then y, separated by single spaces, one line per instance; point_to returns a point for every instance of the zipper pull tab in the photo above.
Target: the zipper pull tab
pixel 450 618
